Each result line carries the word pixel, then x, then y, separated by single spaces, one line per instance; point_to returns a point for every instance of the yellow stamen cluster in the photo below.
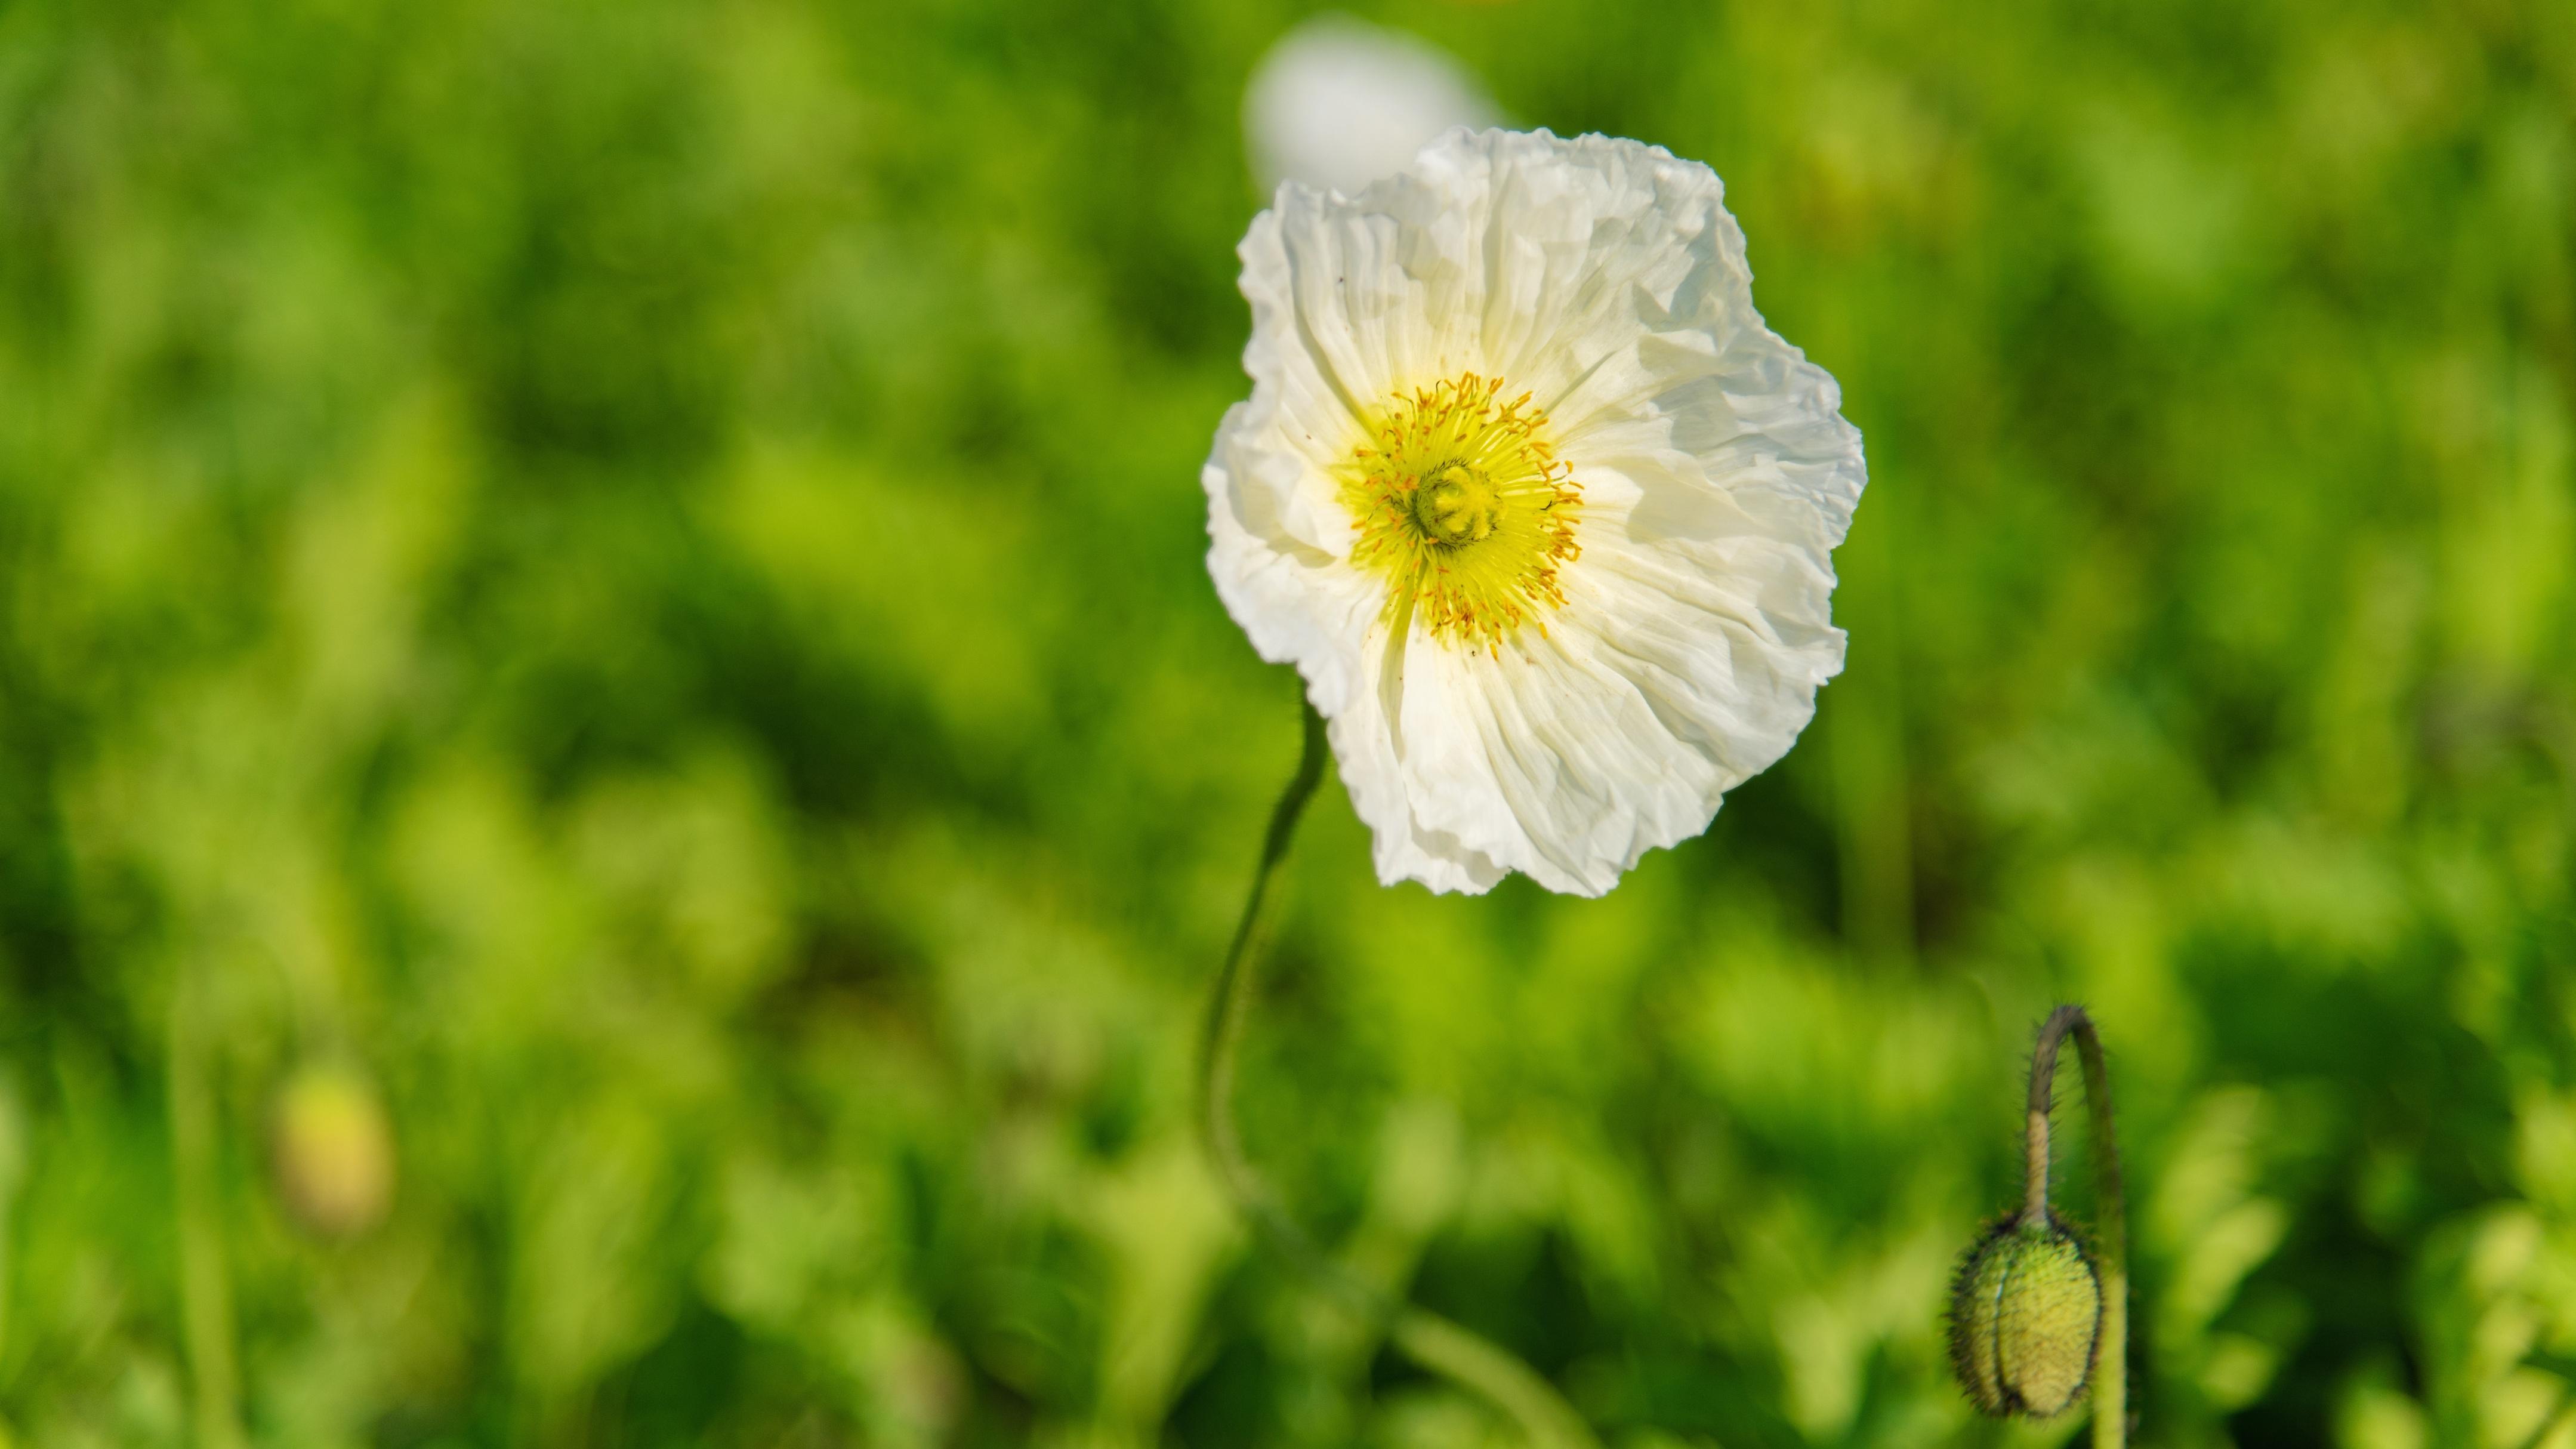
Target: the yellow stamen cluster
pixel 1463 504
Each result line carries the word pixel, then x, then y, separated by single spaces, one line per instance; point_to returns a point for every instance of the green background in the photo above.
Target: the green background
pixel 634 572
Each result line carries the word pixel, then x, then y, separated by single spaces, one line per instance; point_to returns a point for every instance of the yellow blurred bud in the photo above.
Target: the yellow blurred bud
pixel 333 1150
pixel 2025 1317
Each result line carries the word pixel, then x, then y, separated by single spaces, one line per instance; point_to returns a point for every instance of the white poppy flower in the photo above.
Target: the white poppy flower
pixel 1338 103
pixel 1533 500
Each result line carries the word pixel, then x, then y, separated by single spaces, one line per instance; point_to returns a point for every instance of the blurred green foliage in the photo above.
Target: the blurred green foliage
pixel 631 572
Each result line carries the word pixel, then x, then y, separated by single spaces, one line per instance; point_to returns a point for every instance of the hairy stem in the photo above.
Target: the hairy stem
pixel 1430 1340
pixel 2111 1374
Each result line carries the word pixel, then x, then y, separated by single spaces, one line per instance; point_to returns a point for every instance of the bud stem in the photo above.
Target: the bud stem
pixel 2111 1379
pixel 1436 1343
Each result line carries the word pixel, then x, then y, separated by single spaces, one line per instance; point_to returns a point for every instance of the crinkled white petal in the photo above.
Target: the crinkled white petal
pixel 1717 474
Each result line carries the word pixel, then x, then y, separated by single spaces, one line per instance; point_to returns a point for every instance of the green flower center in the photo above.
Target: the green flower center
pixel 1456 504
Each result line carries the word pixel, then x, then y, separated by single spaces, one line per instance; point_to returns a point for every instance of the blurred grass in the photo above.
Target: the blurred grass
pixel 633 570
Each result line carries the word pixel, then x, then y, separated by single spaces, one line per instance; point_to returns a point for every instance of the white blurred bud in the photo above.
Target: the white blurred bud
pixel 1338 103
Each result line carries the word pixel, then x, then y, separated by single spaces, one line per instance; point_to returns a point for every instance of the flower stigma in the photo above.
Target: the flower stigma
pixel 1464 507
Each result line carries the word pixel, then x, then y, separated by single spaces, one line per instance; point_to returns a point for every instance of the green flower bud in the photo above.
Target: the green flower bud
pixel 333 1150
pixel 2025 1317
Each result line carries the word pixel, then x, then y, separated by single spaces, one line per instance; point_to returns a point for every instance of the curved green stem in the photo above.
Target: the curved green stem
pixel 1430 1340
pixel 2111 1377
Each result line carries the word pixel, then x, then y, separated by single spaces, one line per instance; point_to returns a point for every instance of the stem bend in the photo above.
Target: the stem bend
pixel 2111 1386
